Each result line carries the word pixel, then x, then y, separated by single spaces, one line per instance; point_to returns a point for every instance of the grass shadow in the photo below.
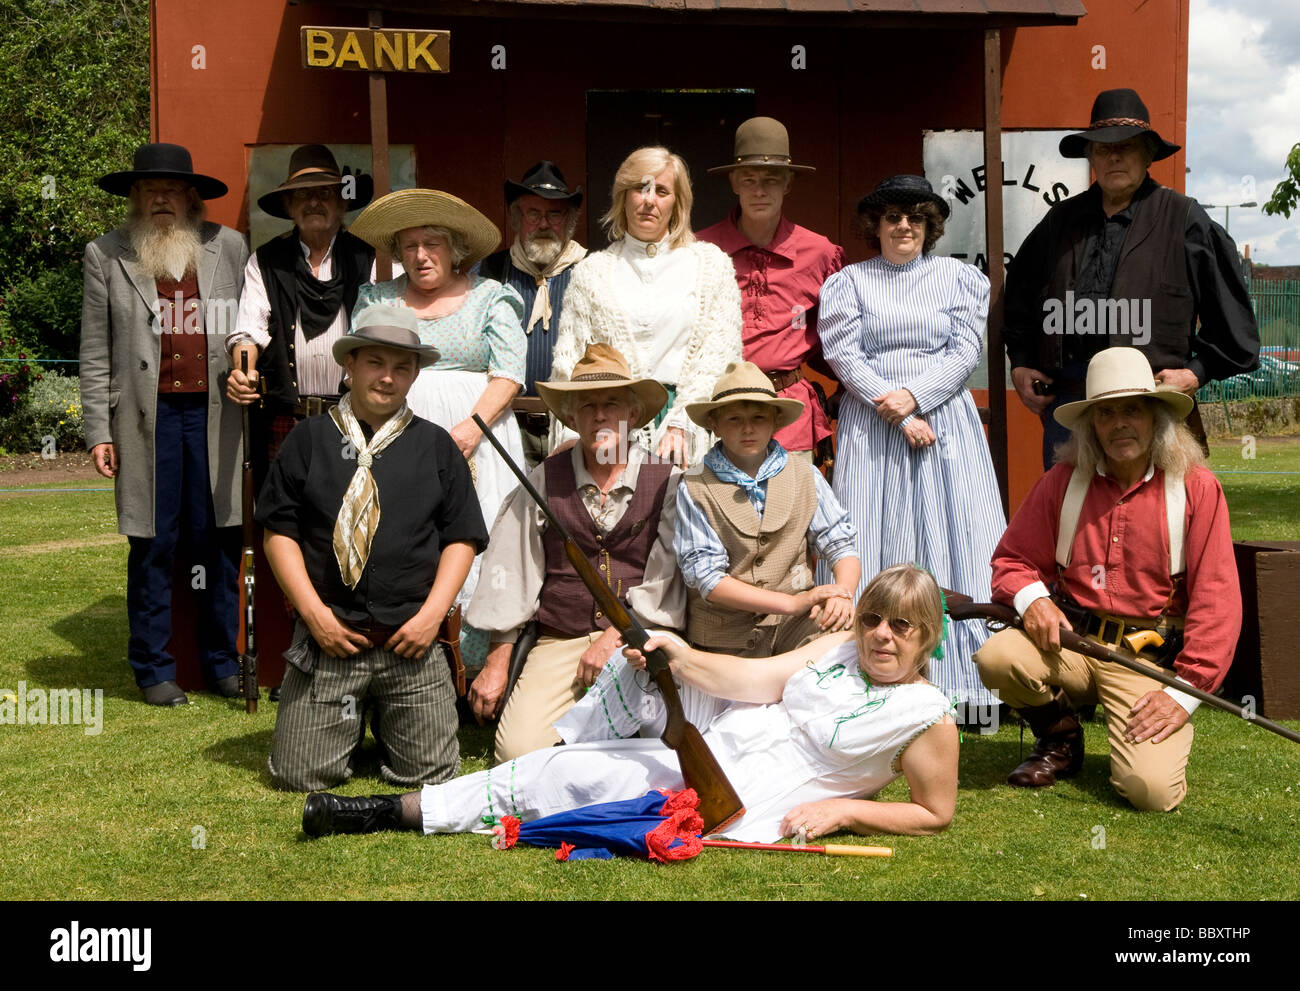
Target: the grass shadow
pixel 98 635
pixel 245 752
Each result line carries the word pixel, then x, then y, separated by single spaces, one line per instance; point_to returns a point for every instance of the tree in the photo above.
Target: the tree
pixel 1286 192
pixel 74 104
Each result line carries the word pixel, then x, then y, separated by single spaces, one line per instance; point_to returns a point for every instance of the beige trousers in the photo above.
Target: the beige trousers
pixel 1151 776
pixel 547 688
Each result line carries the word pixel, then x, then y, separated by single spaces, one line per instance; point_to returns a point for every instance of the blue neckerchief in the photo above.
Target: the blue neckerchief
pixel 756 488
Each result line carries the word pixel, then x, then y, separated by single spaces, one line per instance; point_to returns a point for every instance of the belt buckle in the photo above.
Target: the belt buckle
pixel 314 405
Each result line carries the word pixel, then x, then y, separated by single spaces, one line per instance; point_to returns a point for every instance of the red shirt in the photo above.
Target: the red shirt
pixel 779 286
pixel 1119 561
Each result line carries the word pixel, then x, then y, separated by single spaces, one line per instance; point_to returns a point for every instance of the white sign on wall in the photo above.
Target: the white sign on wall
pixel 1034 178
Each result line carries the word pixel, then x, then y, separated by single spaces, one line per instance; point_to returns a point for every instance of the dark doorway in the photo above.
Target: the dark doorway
pixel 698 125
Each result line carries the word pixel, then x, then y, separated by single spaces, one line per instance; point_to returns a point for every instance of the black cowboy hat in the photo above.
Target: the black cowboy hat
pixel 1117 115
pixel 904 190
pixel 162 161
pixel 545 180
pixel 314 166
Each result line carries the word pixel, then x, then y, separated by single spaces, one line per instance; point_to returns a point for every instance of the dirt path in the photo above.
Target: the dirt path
pixel 20 471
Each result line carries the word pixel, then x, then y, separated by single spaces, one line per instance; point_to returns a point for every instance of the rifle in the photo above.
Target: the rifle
pixel 248 657
pixel 999 617
pixel 719 803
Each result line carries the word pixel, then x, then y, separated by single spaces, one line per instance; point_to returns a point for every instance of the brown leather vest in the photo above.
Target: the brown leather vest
pixel 618 556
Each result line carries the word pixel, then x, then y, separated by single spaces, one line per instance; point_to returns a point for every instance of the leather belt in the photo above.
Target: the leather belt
pixel 377 633
pixel 783 380
pixel 534 424
pixel 314 405
pixel 528 404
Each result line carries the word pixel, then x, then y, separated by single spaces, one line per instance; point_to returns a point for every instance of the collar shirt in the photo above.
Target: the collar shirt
pixel 780 283
pixel 656 287
pixel 428 502
pixel 513 568
pixel 318 372
pixel 1119 561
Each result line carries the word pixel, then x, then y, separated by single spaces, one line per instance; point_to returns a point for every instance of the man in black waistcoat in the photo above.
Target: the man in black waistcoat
pixel 299 290
pixel 1129 263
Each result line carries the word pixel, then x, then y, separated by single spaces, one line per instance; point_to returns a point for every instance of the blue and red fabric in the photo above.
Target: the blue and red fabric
pixel 660 825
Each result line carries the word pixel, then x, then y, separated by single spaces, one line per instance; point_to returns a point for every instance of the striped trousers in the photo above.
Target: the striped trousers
pixel 318 721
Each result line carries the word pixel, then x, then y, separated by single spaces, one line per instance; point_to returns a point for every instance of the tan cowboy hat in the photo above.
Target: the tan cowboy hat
pixel 1118 372
pixel 407 208
pixel 603 367
pixel 312 166
pixel 761 142
pixel 744 382
pixel 386 326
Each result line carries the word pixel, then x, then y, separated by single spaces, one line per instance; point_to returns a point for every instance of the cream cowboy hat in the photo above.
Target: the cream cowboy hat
pixel 1118 372
pixel 603 367
pixel 744 382
pixel 408 208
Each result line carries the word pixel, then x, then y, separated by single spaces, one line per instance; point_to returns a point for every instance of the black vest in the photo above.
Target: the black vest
pixel 278 259
pixel 1152 265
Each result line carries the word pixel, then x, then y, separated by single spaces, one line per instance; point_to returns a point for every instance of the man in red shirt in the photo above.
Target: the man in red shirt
pixel 1132 529
pixel 780 268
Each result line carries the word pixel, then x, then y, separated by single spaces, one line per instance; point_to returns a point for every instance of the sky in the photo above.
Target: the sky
pixel 1243 116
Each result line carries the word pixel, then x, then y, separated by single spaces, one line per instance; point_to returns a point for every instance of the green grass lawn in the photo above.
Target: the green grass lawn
pixel 176 804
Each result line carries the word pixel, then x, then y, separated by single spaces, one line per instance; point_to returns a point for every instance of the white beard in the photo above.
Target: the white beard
pixel 168 252
pixel 541 251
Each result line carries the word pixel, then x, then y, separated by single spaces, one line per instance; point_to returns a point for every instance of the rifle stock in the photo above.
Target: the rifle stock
pixel 719 803
pixel 961 607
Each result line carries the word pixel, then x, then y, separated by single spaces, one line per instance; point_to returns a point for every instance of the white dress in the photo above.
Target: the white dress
pixel 918 326
pixel 832 735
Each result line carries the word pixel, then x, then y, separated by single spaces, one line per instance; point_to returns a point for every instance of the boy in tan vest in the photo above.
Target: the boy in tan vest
pixel 747 516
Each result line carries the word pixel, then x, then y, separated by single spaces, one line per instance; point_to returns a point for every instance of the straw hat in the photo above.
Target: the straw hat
pixel 388 327
pixel 603 367
pixel 744 382
pixel 408 208
pixel 1118 372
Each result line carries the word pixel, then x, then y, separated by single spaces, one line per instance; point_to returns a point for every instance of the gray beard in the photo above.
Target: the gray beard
pixel 165 253
pixel 542 251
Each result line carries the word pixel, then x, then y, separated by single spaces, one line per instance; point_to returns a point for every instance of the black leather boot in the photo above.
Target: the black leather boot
pixel 1058 745
pixel 324 813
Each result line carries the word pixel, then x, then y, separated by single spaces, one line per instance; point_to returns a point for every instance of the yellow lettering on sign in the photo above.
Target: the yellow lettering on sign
pixel 350 51
pixel 421 50
pixel 320 48
pixel 388 49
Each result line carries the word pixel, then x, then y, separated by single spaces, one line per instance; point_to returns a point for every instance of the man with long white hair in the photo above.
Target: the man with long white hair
pixel 160 292
pixel 1132 531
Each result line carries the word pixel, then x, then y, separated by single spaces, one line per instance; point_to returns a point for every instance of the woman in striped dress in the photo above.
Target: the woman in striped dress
pixel 903 332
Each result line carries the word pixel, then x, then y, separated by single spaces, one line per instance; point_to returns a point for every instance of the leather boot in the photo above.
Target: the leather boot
pixel 1058 745
pixel 324 813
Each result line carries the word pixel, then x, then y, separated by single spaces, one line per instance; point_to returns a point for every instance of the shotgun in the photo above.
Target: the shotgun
pixel 719 804
pixel 998 617
pixel 248 657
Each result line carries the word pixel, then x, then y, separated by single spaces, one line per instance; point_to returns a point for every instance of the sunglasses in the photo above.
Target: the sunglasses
pixel 899 627
pixel 894 217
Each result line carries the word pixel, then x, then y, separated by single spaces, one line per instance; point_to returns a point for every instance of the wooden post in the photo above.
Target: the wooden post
pixel 379 145
pixel 993 251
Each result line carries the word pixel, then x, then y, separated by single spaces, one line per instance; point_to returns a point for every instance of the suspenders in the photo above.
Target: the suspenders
pixel 1175 514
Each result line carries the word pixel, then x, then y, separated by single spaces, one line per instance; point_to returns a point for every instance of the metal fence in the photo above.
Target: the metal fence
pixel 1277 311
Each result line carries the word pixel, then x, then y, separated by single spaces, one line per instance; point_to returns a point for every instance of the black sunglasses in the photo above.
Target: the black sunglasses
pixel 900 627
pixel 893 217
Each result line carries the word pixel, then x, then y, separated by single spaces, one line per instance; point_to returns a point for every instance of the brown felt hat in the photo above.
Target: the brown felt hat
pixel 761 142
pixel 314 166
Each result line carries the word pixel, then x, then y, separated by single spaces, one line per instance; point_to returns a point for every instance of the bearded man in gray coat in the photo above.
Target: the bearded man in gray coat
pixel 160 293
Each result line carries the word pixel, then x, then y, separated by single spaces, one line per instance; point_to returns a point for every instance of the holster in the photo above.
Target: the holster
pixel 449 637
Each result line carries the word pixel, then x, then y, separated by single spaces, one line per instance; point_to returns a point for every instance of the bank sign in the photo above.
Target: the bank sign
pixel 1034 178
pixel 379 50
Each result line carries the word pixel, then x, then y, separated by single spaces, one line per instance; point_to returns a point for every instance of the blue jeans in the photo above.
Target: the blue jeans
pixel 182 503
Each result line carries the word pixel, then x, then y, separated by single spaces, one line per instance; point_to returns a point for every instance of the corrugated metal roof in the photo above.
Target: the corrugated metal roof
pixel 932 11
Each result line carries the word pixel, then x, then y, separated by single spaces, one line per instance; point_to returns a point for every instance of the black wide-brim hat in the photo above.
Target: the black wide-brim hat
pixel 162 161
pixel 545 180
pixel 315 166
pixel 1117 115
pixel 904 190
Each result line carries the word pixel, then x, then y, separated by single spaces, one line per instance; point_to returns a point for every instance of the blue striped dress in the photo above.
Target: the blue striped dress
pixel 918 326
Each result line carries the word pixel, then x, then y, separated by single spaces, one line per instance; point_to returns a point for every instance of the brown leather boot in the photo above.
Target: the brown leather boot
pixel 1058 745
